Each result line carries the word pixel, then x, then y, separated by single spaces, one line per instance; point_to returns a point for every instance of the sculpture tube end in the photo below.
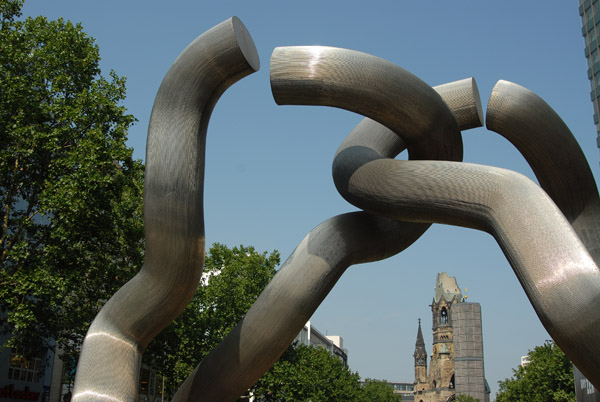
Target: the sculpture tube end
pixel 462 97
pixel 246 43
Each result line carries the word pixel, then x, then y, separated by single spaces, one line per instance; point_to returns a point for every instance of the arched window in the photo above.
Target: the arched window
pixel 434 384
pixel 451 386
pixel 444 316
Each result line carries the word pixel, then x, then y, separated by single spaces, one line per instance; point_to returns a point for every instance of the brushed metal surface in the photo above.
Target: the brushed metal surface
pixel 108 369
pixel 560 166
pixel 555 269
pixel 400 199
pixel 549 147
pixel 288 302
pixel 463 99
pixel 308 275
pixel 372 87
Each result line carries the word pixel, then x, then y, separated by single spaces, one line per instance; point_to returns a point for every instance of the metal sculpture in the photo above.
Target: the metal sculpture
pixel 400 199
pixel 309 274
pixel 551 150
pixel 108 368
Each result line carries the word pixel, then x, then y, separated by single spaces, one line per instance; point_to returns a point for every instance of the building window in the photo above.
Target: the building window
pixel 444 316
pixel 451 385
pixel 24 366
pixel 147 381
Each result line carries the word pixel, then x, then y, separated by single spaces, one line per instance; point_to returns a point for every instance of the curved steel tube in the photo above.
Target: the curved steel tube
pixel 462 97
pixel 538 241
pixel 108 368
pixel 310 273
pixel 372 87
pixel 556 158
pixel 558 162
pixel 289 300
pixel 554 268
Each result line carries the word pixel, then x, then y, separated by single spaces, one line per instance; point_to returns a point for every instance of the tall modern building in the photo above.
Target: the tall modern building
pixel 589 10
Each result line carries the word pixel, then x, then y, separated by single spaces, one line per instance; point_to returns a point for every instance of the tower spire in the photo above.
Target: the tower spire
pixel 420 358
pixel 420 352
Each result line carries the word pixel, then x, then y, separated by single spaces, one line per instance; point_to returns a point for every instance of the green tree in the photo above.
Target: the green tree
pixel 378 391
pixel 70 191
pixel 306 373
pixel 466 398
pixel 232 280
pixel 549 377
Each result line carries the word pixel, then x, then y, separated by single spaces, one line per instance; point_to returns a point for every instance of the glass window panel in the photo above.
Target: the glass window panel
pixel 25 369
pixel 144 377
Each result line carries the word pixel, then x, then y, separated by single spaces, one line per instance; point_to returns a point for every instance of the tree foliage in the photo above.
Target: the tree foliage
pixel 306 373
pixel 548 377
pixel 466 398
pixel 70 191
pixel 232 280
pixel 378 391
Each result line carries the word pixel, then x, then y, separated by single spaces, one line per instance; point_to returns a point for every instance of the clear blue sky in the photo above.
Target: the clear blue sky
pixel 268 180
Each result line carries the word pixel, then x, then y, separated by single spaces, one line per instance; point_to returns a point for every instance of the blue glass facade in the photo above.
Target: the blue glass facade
pixel 589 10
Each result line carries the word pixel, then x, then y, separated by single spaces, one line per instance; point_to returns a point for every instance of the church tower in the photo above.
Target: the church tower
pixel 439 384
pixel 420 361
pixel 456 362
pixel 447 294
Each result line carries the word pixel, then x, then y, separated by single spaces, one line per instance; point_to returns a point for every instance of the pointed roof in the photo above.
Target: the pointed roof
pixel 420 344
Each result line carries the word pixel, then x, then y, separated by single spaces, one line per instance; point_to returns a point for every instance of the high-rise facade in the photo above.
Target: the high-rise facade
pixel 468 351
pixel 589 10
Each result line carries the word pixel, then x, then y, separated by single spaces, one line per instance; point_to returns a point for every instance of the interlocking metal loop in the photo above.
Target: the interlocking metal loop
pixel 553 266
pixel 400 199
pixel 327 251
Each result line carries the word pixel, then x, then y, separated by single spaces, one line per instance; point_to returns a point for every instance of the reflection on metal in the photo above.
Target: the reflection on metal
pixel 321 258
pixel 549 147
pixel 551 262
pixel 539 229
pixel 108 369
pixel 372 87
pixel 560 166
